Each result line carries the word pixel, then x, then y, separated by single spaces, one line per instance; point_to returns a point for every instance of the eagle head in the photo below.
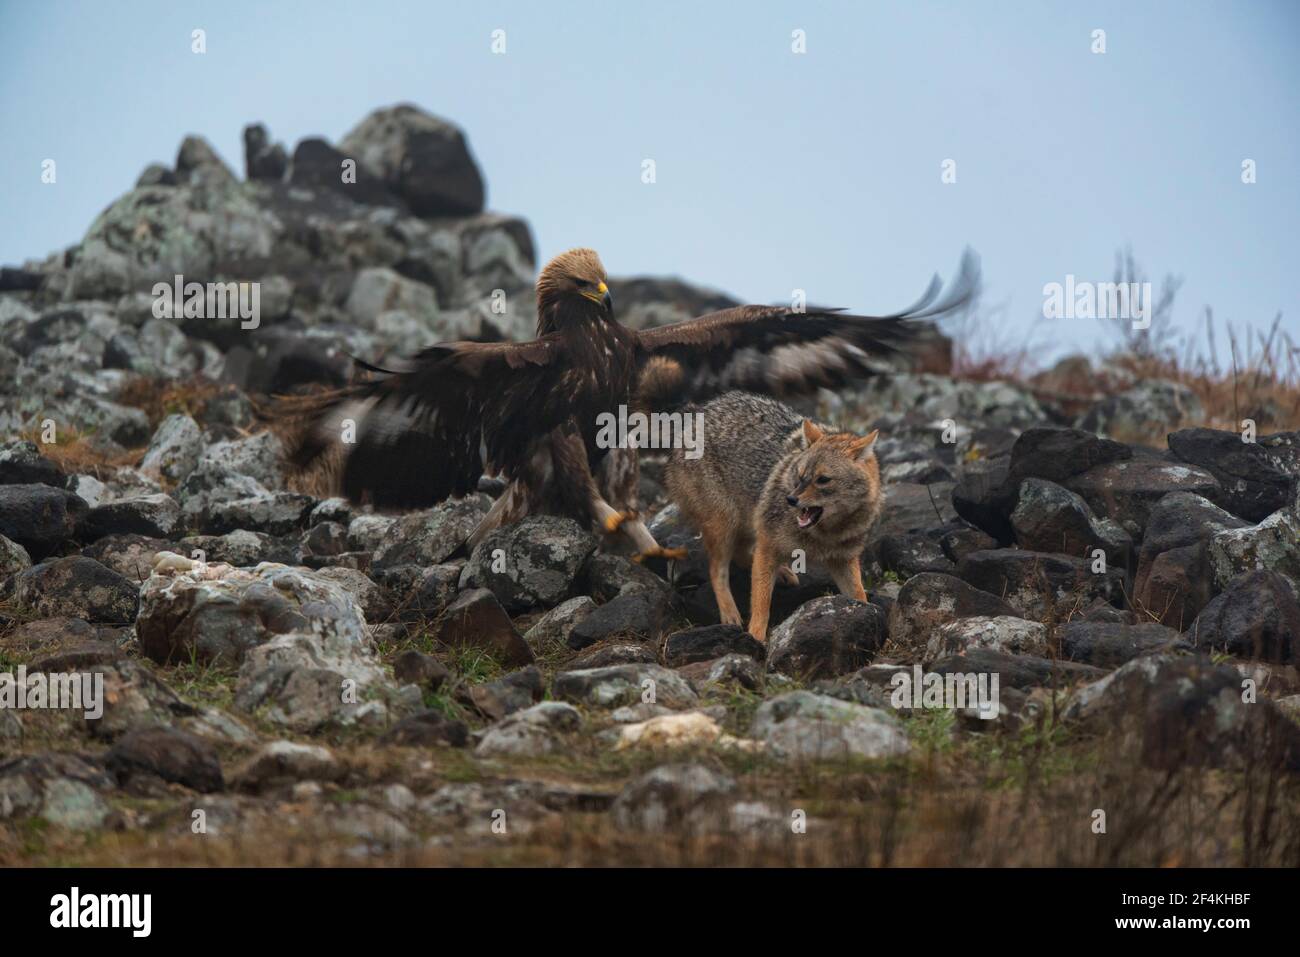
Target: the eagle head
pixel 570 281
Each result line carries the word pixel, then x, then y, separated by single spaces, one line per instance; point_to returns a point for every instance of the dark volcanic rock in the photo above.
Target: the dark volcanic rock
pixel 419 157
pixel 1049 518
pixel 826 638
pixel 415 667
pixel 927 601
pixel 1187 712
pixel 1111 645
pixel 40 518
pixel 76 586
pixel 477 620
pixel 154 516
pixel 168 753
pixel 709 642
pixel 635 614
pixel 1038 582
pixel 1256 616
pixel 262 158
pixel 510 693
pixel 1016 671
pixel 911 553
pixel 1127 491
pixel 531 563
pixel 426 729
pixel 21 463
pixel 1254 480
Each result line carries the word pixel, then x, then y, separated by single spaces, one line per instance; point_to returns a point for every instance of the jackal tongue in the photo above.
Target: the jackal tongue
pixel 808 515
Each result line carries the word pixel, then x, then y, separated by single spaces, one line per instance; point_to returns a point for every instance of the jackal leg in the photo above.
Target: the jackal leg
pixel 848 579
pixel 721 545
pixel 762 576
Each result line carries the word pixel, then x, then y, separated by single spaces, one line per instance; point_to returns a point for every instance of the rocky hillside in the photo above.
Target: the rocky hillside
pixel 291 679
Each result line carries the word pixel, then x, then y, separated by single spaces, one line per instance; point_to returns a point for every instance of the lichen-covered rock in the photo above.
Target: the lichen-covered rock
pixel 421 538
pixel 531 563
pixel 175 448
pixel 827 637
pixel 1256 616
pixel 616 685
pixel 38 517
pixel 803 726
pixel 75 586
pixel 999 633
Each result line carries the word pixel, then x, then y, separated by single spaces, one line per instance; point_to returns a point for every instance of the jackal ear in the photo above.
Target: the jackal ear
pixel 862 447
pixel 811 433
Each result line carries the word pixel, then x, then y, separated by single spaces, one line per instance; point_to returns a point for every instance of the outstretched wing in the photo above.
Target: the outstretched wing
pixel 421 434
pixel 778 351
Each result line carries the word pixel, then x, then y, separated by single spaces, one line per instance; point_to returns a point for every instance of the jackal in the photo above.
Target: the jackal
pixel 769 485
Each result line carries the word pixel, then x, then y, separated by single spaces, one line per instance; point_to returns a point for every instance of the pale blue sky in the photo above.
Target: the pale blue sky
pixel 775 171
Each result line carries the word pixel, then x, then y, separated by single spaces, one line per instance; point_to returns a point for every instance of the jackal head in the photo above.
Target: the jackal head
pixel 835 477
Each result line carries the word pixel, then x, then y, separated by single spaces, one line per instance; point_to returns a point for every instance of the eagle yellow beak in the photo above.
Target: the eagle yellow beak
pixel 600 293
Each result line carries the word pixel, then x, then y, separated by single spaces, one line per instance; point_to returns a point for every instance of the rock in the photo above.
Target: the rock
pixel 1254 480
pixel 185 617
pixel 533 562
pixel 1127 491
pixel 21 463
pixel 735 668
pixel 154 516
pixel 708 643
pixel 1014 670
pixel 986 499
pixel 167 753
pixel 614 653
pixel 477 620
pixel 509 693
pixel 134 697
pixel 429 595
pixel 911 553
pixel 1151 407
pixel 427 729
pixel 1273 544
pixel 929 600
pixel 375 602
pixel 210 485
pixel 258 457
pixel 62 789
pixel 420 538
pixel 175 448
pixel 552 629
pixel 998 633
pixel 617 685
pixel 379 291
pixel 276 513
pixel 637 614
pixel 1186 712
pixel 240 548
pixel 262 158
pixel 285 762
pixel 827 637
pixel 197 162
pixel 75 586
pixel 1038 584
pixel 671 799
pixel 420 158
pixel 38 517
pixel 608 576
pixel 1174 580
pixel 802 726
pixel 367 532
pixel 1111 645
pixel 531 732
pixel 13 558
pixel 412 667
pixel 1256 616
pixel 1049 518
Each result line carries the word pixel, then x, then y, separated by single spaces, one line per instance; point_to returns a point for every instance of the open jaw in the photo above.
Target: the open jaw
pixel 808 517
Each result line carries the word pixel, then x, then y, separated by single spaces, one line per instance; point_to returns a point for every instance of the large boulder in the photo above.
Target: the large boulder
pixel 928 601
pixel 1256 616
pixel 75 586
pixel 421 158
pixel 531 563
pixel 1255 478
pixel 802 726
pixel 827 637
pixel 38 517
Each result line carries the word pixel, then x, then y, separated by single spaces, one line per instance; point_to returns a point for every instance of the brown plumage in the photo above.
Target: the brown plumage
pixel 528 410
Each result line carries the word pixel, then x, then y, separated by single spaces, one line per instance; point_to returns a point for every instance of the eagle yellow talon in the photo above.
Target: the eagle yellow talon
pixel 614 522
pixel 672 554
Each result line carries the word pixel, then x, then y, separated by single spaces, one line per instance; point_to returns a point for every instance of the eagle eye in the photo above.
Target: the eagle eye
pixel 582 283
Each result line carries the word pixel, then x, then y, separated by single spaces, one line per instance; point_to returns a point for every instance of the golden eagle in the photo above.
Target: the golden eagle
pixel 530 411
